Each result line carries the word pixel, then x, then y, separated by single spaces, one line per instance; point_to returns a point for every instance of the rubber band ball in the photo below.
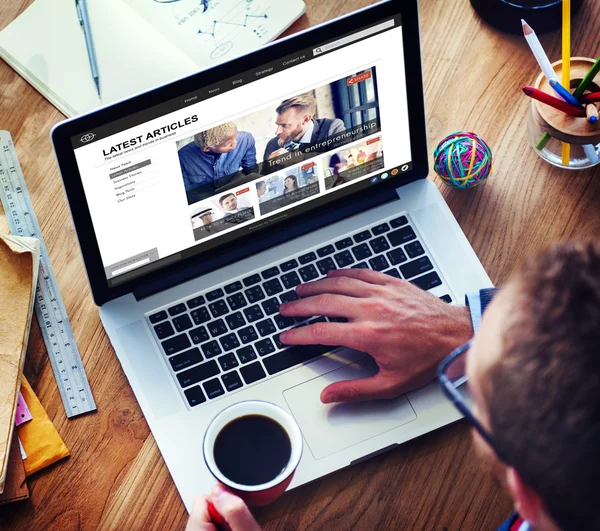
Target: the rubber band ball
pixel 463 160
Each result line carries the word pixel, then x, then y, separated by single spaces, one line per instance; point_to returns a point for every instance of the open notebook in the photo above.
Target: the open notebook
pixel 139 43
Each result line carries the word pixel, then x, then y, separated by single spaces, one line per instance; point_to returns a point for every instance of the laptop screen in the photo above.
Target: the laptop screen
pixel 249 152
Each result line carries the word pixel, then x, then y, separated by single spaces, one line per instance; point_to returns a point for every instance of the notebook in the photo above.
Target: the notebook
pixel 139 43
pixel 19 261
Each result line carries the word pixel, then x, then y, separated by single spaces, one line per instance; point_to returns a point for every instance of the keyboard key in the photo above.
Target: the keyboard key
pixel 290 280
pixel 308 273
pixel 232 381
pixel 324 251
pixel 176 344
pixel 218 308
pixel 251 280
pixel 248 334
pixel 344 244
pixel 254 313
pixel 157 317
pixel 253 372
pixel 213 388
pixel 361 251
pixel 271 306
pixel 397 256
pixel 379 263
pixel 306 258
pixel 428 281
pixel 393 273
pixel 289 296
pixel 446 298
pixel 289 265
pixel 176 310
pixel 414 249
pixel 266 327
pixel 183 322
pixel 246 354
pixel 163 330
pixel 229 342
pixel 380 229
pixel 194 396
pixel 326 265
pixel 228 361
pixel 270 273
pixel 199 335
pixel 416 267
pixel 294 356
pixel 362 236
pixel 200 315
pixel 216 328
pixel 278 342
pixel 185 359
pixel 344 259
pixel 255 294
pixel 379 244
pixel 283 322
pixel 400 236
pixel 265 347
pixel 398 222
pixel 211 349
pixel 235 320
pixel 236 301
pixel 198 373
pixel 233 287
pixel 195 302
pixel 214 295
pixel 360 265
pixel 272 287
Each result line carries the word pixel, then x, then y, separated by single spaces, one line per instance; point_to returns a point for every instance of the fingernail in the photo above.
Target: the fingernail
pixel 329 398
pixel 282 336
pixel 217 491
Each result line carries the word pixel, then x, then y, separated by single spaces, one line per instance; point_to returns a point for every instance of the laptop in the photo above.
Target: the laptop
pixel 201 204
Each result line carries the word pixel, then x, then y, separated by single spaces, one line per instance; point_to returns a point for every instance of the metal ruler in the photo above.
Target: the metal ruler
pixel 49 307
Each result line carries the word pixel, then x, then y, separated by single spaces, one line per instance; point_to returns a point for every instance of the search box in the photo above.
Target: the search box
pixel 353 38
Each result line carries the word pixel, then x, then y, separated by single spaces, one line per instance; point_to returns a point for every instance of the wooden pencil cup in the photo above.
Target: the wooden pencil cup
pixel 548 128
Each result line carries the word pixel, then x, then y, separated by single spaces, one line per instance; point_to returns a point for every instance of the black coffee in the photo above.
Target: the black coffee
pixel 252 450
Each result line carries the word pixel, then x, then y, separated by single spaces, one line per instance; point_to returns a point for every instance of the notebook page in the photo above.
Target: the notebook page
pixel 46 46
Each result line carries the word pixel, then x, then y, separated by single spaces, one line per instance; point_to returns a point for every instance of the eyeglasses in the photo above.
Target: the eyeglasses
pixel 453 379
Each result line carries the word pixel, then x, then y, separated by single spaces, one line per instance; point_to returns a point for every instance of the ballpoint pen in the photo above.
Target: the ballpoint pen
pixel 84 20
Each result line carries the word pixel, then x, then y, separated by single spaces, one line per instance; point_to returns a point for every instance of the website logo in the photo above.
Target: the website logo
pixel 87 137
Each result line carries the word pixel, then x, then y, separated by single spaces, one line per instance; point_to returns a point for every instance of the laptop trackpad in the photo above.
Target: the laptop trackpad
pixel 329 428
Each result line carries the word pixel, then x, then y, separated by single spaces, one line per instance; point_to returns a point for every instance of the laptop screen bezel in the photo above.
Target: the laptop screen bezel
pixel 333 211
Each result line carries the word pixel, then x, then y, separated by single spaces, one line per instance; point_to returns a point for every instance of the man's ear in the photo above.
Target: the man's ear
pixel 307 118
pixel 527 502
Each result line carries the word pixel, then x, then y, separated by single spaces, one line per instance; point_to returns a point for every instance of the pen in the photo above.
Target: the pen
pixel 564 93
pixel 539 95
pixel 84 21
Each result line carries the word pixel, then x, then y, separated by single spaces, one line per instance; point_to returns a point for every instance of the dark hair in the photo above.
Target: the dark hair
pixel 223 197
pixel 544 393
pixel 293 178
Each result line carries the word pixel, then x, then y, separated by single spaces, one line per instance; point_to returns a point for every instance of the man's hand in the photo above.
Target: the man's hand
pixel 407 331
pixel 232 509
pixel 278 153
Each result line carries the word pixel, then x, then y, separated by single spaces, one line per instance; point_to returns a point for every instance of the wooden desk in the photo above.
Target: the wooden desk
pixel 116 479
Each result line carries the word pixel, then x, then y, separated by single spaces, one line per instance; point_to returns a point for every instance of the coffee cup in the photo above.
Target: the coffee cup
pixel 253 448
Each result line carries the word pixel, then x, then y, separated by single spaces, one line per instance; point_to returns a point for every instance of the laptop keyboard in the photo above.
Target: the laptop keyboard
pixel 227 338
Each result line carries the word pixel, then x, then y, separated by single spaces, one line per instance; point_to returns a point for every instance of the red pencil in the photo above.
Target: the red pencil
pixel 590 98
pixel 544 97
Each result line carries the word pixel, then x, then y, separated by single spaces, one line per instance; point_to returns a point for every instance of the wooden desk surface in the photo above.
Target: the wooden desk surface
pixel 116 479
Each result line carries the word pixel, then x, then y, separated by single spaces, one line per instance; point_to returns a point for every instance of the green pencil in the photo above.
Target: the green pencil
pixel 587 79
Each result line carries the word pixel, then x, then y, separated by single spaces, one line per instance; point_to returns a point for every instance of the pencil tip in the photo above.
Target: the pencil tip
pixel 527 30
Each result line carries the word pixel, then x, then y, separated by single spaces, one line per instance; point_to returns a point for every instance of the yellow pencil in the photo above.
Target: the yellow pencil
pixel 566 64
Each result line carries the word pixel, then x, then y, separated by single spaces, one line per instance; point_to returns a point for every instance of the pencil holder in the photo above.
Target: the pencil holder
pixel 548 128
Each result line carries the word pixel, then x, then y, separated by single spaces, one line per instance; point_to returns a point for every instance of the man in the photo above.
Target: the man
pixel 261 190
pixel 229 204
pixel 204 218
pixel 533 372
pixel 216 156
pixel 296 125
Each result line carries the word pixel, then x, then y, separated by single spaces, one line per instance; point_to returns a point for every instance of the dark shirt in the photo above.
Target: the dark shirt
pixel 200 168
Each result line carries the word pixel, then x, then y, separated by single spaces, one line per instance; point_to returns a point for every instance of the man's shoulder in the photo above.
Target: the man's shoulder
pixel 331 125
pixel 189 149
pixel 245 137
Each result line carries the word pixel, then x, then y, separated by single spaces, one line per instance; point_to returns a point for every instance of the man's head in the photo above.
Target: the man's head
pixel 220 139
pixel 228 203
pixel 261 188
pixel 294 116
pixel 534 373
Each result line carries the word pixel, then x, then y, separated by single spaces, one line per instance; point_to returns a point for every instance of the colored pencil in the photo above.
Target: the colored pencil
pixel 564 93
pixel 591 113
pixel 566 66
pixel 538 51
pixel 588 78
pixel 592 97
pixel 591 154
pixel 546 98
